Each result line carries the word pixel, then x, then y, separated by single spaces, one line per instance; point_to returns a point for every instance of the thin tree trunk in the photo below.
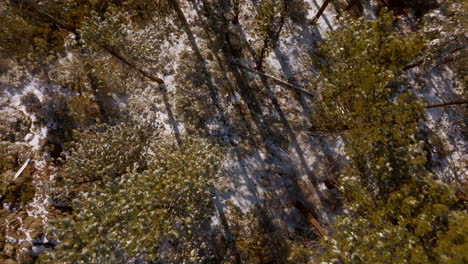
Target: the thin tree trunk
pixel 276 79
pixel 460 102
pixel 443 60
pixel 125 61
pixel 310 218
pixel 320 12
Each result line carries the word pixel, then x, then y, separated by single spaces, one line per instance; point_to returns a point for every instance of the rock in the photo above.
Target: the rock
pixel 10 261
pixel 9 250
pixel 13 221
pixel 14 125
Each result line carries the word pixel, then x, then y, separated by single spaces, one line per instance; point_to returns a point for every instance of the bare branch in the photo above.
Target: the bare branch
pixel 276 79
pixel 447 104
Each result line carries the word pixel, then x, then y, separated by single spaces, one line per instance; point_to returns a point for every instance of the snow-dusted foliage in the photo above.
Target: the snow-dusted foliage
pixel 342 124
pixel 144 215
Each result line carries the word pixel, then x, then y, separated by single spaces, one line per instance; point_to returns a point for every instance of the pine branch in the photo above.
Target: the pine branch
pixel 310 218
pixel 111 50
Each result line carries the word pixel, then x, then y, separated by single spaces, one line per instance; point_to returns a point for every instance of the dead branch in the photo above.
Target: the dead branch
pixel 276 79
pixel 447 104
pixel 18 173
pixel 320 12
pixel 445 59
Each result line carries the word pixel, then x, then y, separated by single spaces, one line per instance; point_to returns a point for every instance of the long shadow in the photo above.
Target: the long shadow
pixel 240 75
pixel 294 141
pixel 290 76
pixel 306 38
pixel 215 100
pixel 246 92
pixel 295 190
pixel 305 101
pixel 170 115
pixel 229 235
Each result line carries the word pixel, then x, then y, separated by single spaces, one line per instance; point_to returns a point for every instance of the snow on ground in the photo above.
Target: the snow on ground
pixel 271 174
pixel 449 145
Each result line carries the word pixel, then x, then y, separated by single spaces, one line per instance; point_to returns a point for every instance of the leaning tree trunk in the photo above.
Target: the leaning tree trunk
pixel 320 12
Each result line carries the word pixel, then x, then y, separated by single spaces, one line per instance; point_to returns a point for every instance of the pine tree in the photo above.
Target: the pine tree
pixel 395 212
pixel 148 215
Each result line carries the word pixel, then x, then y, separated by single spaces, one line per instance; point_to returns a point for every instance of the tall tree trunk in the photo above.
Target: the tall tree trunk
pixel 272 35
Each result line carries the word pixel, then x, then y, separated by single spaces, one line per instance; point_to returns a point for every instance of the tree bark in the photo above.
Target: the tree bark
pixel 460 102
pixel 276 79
pixel 320 12
pixel 310 218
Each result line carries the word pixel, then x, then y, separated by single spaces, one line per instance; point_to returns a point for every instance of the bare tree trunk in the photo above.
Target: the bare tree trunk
pixel 276 79
pixel 320 12
pixel 447 104
pixel 319 230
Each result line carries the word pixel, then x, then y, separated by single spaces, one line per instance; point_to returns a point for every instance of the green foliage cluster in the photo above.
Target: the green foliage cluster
pixel 257 238
pixel 272 14
pixel 363 96
pixel 102 39
pixel 395 212
pixel 418 7
pixel 447 28
pixel 106 152
pixel 142 214
pixel 63 111
pixel 84 111
pixel 27 33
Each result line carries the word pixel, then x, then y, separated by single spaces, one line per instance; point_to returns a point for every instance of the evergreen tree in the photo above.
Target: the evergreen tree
pixel 395 212
pixel 147 215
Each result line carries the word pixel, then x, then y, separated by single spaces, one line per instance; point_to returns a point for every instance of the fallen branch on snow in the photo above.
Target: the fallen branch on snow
pixel 276 79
